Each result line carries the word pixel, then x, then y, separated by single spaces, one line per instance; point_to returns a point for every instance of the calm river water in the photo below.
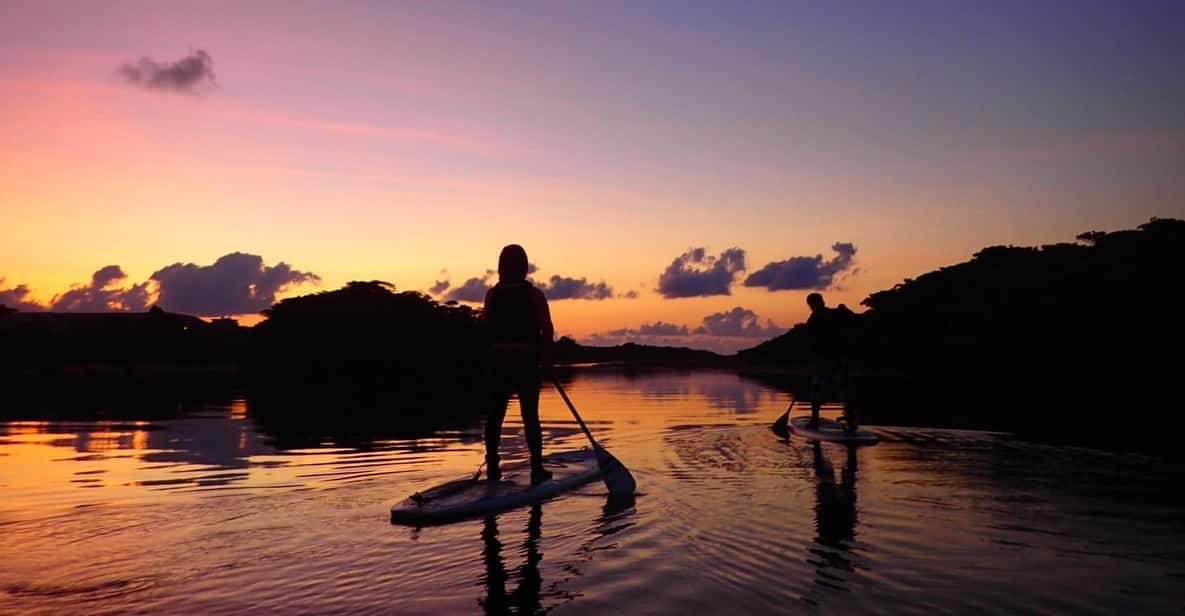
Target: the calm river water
pixel 201 513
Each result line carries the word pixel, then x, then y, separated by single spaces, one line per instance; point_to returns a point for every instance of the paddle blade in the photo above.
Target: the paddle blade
pixel 616 504
pixel 615 475
pixel 781 425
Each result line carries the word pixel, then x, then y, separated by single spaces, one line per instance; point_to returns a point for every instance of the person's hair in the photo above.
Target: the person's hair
pixel 512 264
pixel 815 299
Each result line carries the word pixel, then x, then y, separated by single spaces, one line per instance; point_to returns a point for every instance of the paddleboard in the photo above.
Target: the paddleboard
pixel 830 431
pixel 467 498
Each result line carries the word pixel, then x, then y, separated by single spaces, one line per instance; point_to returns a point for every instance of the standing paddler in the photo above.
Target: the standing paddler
pixel 521 331
pixel 830 332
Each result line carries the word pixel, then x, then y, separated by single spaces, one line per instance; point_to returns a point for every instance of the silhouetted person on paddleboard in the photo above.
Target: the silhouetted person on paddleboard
pixel 520 327
pixel 830 331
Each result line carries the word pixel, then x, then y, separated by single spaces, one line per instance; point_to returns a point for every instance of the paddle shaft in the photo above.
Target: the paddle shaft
pixel 572 407
pixel 615 475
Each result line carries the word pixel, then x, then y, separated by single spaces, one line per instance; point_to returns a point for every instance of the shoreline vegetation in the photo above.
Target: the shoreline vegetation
pixel 1087 325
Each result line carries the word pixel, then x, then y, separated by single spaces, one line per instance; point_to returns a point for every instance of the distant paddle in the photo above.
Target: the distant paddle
pixel 615 475
pixel 781 425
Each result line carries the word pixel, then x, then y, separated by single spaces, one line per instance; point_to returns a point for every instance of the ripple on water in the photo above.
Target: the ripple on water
pixel 202 515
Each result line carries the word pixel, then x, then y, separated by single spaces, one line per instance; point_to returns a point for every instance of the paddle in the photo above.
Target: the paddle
pixel 615 475
pixel 781 425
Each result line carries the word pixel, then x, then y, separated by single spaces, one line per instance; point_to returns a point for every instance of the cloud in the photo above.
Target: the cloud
pixel 237 283
pixel 189 75
pixel 16 298
pixel 472 290
pixel 804 272
pixel 560 287
pixel 659 328
pixel 644 331
pixel 697 274
pixel 738 322
pixel 556 288
pixel 101 295
pixel 723 332
pixel 631 294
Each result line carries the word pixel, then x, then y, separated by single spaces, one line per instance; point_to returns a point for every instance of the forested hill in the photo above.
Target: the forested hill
pixel 568 351
pixel 1110 303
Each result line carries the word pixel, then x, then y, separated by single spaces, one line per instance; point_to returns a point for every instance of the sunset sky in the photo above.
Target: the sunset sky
pixel 409 143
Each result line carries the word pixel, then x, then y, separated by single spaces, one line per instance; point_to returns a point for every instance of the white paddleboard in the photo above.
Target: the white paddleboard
pixel 467 498
pixel 830 431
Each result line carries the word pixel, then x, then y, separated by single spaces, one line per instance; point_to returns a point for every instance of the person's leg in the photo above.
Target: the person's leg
pixel 526 384
pixel 499 397
pixel 851 417
pixel 843 382
pixel 817 378
pixel 528 399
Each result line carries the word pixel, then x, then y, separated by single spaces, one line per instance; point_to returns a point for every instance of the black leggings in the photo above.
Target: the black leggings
pixel 514 373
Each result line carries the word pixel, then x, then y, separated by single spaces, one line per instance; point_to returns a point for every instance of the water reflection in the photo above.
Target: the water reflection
pixel 724 391
pixel 528 595
pixel 350 421
pixel 221 444
pixel 835 519
pixel 525 597
pixel 731 520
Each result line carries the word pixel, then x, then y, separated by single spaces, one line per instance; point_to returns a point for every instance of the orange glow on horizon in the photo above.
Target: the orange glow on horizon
pixel 354 185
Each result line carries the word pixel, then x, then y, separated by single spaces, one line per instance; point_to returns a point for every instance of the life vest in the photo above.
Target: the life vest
pixel 511 314
pixel 830 330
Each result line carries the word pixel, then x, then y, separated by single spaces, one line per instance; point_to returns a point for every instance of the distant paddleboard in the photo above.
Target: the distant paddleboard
pixel 467 498
pixel 830 431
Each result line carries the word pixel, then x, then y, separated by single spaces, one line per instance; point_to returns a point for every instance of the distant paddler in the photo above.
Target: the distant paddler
pixel 830 332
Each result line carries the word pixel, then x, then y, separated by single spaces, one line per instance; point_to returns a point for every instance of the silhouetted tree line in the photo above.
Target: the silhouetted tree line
pixel 365 339
pixel 365 342
pixel 1110 304
pixel 47 343
pixel 568 351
